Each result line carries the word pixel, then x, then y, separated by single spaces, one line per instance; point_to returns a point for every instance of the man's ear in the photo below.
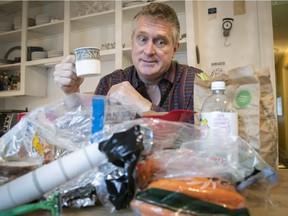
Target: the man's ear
pixel 176 48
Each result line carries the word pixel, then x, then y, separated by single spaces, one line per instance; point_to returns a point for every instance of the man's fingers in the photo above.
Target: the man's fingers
pixel 69 58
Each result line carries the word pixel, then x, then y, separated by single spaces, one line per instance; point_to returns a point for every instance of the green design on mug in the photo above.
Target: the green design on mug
pixel 86 53
pixel 243 98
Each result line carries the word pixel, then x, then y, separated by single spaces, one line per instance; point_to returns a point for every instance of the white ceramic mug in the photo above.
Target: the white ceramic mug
pixel 87 61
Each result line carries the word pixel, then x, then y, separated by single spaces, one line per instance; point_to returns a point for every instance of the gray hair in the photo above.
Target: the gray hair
pixel 163 12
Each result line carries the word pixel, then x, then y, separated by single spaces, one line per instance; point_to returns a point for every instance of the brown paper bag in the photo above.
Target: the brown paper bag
pixel 243 88
pixel 268 120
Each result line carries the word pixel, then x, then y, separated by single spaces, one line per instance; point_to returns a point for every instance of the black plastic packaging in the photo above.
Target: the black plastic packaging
pixel 122 150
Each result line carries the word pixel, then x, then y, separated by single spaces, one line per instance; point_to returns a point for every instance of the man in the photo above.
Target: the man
pixel 154 81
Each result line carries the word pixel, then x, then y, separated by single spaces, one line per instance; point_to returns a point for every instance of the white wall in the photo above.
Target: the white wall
pixel 251 37
pixel 243 39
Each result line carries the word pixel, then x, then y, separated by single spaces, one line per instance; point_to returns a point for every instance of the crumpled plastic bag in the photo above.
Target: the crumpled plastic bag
pixel 168 143
pixel 66 125
pixel 53 130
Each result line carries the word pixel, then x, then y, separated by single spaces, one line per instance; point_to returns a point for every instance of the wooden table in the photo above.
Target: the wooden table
pixel 278 203
pixel 276 206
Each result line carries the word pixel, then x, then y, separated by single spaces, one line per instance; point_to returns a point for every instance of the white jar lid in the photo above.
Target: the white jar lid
pixel 218 85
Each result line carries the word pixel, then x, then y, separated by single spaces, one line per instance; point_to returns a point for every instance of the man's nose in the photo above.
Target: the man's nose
pixel 150 48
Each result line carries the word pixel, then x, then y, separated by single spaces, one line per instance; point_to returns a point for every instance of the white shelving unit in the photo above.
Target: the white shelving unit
pixel 74 28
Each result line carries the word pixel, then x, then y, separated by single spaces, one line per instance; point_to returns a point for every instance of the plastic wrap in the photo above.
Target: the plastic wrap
pixel 123 150
pixel 79 192
pixel 33 185
pixel 46 133
pixel 173 115
pixel 158 134
pixel 114 181
pixel 242 165
pixel 112 192
pixel 250 165
pixel 65 123
pixel 177 163
pixel 178 150
pixel 169 150
pixel 156 201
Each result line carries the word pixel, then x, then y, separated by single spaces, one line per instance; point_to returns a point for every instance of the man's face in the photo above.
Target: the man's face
pixel 152 48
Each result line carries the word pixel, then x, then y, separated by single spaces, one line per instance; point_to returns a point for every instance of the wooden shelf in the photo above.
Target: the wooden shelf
pixel 10 67
pixel 10 36
pixel 93 20
pixel 10 93
pixel 44 30
pixel 45 62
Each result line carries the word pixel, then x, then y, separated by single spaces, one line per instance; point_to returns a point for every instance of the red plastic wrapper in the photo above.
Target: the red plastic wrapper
pixel 174 115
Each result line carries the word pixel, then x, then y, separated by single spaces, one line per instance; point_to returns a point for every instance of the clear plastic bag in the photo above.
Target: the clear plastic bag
pixel 233 160
pixel 65 124
pixel 173 150
pixel 46 133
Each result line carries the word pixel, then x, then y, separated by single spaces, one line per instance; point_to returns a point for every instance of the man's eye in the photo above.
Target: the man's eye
pixel 160 43
pixel 142 40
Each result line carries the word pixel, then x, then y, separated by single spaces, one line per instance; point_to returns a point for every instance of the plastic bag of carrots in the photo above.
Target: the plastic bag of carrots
pixel 190 196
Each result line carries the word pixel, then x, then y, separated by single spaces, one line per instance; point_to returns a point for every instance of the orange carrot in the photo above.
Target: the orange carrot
pixel 147 209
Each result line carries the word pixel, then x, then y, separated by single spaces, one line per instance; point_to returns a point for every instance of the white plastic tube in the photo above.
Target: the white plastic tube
pixel 34 184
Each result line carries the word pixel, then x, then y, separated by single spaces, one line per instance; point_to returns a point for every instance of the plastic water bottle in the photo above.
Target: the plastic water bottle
pixel 218 113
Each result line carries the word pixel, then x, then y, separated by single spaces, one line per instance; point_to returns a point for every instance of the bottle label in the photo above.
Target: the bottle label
pixel 220 123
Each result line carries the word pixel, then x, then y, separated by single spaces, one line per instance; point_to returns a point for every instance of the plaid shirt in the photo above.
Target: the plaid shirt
pixel 176 86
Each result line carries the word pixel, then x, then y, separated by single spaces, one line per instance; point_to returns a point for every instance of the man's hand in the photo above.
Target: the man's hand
pixel 125 94
pixel 65 75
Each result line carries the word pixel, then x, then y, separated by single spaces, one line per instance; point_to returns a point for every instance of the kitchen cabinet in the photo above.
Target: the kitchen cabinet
pixel 103 24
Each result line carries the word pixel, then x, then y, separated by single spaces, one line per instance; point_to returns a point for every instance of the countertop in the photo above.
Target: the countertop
pixel 275 205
